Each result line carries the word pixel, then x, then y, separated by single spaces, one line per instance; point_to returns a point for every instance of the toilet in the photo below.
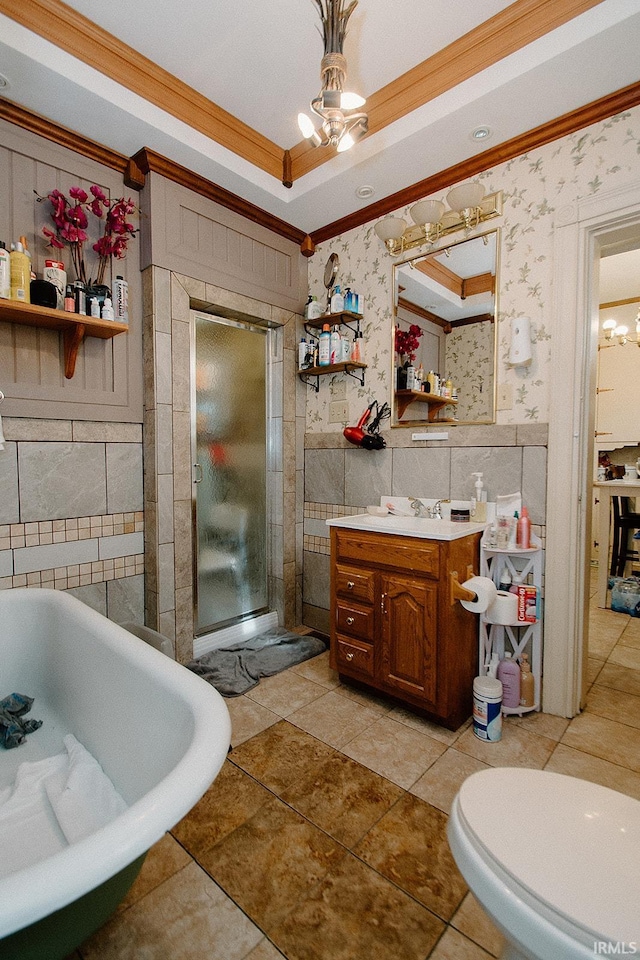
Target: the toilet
pixel 553 860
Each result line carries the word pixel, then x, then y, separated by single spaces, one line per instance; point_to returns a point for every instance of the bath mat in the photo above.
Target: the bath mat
pixel 234 670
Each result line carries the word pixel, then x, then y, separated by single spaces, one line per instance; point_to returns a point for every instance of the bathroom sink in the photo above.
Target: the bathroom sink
pixel 423 527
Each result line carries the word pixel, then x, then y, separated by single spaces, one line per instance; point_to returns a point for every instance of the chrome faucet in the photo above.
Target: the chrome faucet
pixel 435 512
pixel 418 507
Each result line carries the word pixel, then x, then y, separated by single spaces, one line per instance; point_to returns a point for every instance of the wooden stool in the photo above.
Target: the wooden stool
pixel 624 521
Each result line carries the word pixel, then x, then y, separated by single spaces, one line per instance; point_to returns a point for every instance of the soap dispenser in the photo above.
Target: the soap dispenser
pixel 479 502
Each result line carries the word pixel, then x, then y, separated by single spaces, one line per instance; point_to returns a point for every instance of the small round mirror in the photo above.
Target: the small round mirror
pixel 331 270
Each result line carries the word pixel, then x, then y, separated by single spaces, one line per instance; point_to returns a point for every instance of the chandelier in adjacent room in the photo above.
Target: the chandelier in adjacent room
pixel 343 123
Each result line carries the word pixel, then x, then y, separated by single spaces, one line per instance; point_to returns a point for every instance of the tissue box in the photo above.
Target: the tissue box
pixel 528 604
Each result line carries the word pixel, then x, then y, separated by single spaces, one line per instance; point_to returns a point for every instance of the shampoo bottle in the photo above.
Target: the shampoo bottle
pixel 335 347
pixel 524 530
pixel 509 676
pixel 527 683
pixel 324 346
pixel 20 267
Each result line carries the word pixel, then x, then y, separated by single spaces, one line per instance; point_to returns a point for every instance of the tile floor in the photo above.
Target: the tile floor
pixel 324 838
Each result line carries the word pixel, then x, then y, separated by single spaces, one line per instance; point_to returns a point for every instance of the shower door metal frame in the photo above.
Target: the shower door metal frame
pixel 266 332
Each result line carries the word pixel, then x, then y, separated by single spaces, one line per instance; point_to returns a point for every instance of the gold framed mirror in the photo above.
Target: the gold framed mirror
pixel 449 295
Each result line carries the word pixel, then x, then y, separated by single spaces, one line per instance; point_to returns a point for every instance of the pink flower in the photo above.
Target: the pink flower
pixel 53 239
pixel 79 194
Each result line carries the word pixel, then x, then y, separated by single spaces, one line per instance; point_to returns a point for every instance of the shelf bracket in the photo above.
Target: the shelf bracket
pixel 72 340
pixel 359 378
pixel 305 379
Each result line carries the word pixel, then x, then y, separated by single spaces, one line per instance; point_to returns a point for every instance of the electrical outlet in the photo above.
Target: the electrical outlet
pixel 505 396
pixel 338 411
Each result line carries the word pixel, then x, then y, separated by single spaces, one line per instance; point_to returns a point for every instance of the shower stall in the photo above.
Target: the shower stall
pixel 229 462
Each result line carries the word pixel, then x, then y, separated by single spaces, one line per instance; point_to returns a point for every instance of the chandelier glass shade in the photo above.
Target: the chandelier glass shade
pixel 468 208
pixel 342 121
pixel 612 329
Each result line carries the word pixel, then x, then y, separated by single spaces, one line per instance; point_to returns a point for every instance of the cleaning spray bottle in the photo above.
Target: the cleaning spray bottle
pixel 479 502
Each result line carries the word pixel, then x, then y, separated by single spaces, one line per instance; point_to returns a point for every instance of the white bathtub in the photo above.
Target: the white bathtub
pixel 160 733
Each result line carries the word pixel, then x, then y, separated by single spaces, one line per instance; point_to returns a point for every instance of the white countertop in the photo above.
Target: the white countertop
pixel 422 527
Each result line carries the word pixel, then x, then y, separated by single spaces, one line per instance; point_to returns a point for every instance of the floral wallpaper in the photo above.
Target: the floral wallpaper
pixel 469 363
pixel 536 187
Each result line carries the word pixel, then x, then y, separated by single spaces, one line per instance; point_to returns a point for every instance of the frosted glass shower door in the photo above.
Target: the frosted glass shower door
pixel 229 471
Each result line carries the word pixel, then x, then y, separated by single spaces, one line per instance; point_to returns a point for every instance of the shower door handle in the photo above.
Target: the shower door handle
pixel 198 474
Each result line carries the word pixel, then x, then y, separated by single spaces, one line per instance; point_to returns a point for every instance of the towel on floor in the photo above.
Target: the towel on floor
pixel 13 728
pixel 234 670
pixel 53 803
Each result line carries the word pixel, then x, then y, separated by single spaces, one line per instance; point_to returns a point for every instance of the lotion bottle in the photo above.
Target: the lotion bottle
pixel 5 273
pixel 524 530
pixel 335 347
pixel 479 502
pixel 20 267
pixel 324 346
pixel 337 301
pixel 509 676
pixel 527 683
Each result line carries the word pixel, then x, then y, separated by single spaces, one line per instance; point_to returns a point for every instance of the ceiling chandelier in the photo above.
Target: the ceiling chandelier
pixel 468 208
pixel 343 124
pixel 612 329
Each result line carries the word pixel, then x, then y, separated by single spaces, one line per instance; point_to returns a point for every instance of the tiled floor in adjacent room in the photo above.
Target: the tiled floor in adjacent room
pixel 324 838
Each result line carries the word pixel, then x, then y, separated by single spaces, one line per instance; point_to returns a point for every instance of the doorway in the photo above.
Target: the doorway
pixel 229 457
pixel 586 229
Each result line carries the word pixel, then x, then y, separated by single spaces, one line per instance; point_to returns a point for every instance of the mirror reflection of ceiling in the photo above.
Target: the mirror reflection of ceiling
pixel 454 285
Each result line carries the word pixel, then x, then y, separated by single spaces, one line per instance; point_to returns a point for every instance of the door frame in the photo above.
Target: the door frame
pixel 580 231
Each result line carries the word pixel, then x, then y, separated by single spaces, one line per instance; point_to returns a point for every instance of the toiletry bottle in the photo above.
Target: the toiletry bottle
pixel 324 346
pixel 94 307
pixel 348 300
pixel 337 301
pixel 80 293
pixel 411 376
pixel 69 300
pixel 335 346
pixel 509 676
pixel 5 272
pixel 121 300
pixel 517 580
pixel 20 267
pixel 315 309
pixel 513 527
pixel 107 310
pixel 505 581
pixel 302 353
pixel 524 530
pixel 479 502
pixel 527 683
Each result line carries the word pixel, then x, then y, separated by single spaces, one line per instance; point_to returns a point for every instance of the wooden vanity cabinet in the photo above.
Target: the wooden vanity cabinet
pixel 393 627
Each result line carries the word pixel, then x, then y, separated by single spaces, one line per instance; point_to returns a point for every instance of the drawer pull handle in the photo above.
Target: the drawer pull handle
pixel 350 621
pixel 349 656
pixel 350 584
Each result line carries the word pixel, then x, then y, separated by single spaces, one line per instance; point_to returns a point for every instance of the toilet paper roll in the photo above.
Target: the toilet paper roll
pixel 504 608
pixel 485 591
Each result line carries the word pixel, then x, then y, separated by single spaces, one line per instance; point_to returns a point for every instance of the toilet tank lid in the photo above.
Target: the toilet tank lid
pixel 573 844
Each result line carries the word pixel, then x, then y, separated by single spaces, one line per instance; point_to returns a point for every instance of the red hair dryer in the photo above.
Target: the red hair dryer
pixel 359 437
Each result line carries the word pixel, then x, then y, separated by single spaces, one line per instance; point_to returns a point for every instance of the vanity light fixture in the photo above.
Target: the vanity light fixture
pixel 468 208
pixel 343 123
pixel 612 329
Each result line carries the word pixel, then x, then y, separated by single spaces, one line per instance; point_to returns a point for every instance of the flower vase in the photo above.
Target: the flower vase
pixel 401 374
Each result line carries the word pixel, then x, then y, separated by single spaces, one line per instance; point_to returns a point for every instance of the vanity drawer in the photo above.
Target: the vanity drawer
pixel 358 621
pixel 384 549
pixel 354 656
pixel 355 584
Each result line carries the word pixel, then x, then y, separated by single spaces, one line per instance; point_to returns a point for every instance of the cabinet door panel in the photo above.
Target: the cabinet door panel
pixel 409 636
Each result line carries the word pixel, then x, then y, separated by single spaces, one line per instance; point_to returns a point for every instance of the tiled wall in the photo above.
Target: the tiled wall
pixel 341 479
pixel 71 511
